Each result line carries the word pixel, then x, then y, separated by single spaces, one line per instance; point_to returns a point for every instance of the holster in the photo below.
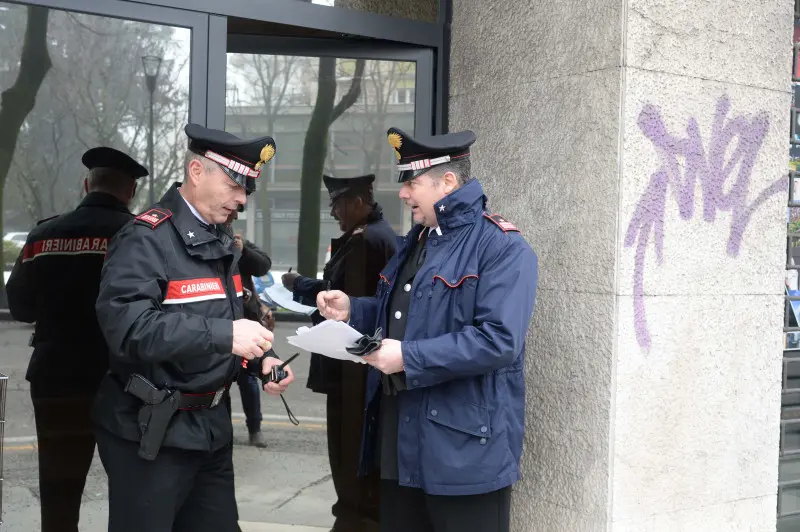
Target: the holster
pixel 155 415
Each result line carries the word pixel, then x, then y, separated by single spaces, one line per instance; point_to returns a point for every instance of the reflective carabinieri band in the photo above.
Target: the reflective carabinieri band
pixel 236 166
pixel 423 163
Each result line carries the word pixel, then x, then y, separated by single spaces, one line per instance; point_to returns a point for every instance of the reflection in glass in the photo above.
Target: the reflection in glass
pixel 790 470
pixel 93 93
pixel 790 499
pixel 791 437
pixel 280 95
pixel 275 95
pixel 791 375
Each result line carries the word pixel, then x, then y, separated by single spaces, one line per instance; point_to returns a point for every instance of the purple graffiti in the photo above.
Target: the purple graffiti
pixel 711 169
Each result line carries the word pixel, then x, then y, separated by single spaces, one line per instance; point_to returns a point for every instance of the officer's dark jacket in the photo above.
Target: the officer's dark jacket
pixel 357 258
pixel 461 421
pixel 55 282
pixel 169 293
pixel 253 262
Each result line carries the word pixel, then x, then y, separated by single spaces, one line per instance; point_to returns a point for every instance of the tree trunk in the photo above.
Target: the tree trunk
pixel 19 100
pixel 315 150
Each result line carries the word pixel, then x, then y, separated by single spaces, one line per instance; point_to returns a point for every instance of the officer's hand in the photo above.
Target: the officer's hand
pixel 388 358
pixel 250 339
pixel 237 241
pixel 288 280
pixel 334 305
pixel 276 388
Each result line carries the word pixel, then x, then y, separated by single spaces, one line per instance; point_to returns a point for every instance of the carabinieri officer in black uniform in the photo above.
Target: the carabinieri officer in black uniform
pixel 54 284
pixel 170 306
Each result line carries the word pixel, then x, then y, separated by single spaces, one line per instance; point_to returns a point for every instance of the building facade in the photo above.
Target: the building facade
pixel 640 146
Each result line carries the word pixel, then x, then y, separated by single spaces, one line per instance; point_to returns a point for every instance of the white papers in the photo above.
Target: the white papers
pixel 329 338
pixel 283 298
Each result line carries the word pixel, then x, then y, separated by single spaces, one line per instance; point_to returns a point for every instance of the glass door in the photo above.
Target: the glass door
pixel 328 105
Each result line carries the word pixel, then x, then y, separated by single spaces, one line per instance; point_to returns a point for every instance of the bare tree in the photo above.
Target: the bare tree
pixel 17 101
pixel 95 95
pixel 269 77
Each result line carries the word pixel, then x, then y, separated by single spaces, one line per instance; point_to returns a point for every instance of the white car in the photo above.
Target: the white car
pixel 17 238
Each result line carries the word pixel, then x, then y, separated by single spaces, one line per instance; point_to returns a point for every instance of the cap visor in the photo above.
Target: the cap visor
pixel 240 179
pixel 408 175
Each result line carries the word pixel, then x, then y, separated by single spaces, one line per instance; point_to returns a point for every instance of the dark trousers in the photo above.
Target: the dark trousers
pixel 250 390
pixel 357 506
pixel 179 491
pixel 410 509
pixel 66 446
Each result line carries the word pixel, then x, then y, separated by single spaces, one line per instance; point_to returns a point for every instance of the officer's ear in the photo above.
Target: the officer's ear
pixel 195 171
pixel 86 185
pixel 450 181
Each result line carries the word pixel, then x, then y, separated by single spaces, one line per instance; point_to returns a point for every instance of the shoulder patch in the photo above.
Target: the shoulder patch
pixel 501 222
pixel 153 218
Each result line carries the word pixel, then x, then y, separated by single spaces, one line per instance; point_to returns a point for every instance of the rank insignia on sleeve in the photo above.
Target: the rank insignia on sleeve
pixel 153 217
pixel 501 222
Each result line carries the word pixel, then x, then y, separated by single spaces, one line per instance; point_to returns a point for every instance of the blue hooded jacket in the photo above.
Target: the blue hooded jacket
pixel 461 420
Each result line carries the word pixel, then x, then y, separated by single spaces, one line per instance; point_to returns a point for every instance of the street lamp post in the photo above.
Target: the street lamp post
pixel 152 64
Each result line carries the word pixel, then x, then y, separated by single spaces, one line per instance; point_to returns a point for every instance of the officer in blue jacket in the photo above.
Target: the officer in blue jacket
pixel 446 398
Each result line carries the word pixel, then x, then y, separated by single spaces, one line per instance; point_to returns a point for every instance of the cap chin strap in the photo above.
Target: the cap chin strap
pixel 423 163
pixel 236 166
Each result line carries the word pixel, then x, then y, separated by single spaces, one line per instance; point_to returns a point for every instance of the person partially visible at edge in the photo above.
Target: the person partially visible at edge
pixel 446 399
pixel 54 284
pixel 170 306
pixel 253 262
pixel 357 258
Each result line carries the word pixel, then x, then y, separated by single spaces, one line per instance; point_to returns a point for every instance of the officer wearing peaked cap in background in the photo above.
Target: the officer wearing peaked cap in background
pixel 170 306
pixel 446 400
pixel 357 257
pixel 54 283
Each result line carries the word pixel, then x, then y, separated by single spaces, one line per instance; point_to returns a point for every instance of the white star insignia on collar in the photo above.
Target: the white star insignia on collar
pixel 190 234
pixel 441 208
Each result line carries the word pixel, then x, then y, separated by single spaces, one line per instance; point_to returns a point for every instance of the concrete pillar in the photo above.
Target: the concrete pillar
pixel 641 146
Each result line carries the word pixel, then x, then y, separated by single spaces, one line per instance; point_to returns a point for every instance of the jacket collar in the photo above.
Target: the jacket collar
pixel 192 231
pixel 102 199
pixel 460 207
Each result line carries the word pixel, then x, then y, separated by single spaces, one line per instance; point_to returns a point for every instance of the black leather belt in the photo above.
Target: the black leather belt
pixel 200 401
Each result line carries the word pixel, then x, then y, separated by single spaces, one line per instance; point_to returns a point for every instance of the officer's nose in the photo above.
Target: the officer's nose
pixel 403 192
pixel 241 196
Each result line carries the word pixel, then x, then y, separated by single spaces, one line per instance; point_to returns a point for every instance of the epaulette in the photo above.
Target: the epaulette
pixel 501 222
pixel 153 218
pixel 43 220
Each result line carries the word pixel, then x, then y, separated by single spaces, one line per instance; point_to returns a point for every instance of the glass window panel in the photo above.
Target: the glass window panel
pixel 789 524
pixel 789 470
pixel 791 370
pixel 276 95
pixel 95 93
pixel 789 500
pixel 790 441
